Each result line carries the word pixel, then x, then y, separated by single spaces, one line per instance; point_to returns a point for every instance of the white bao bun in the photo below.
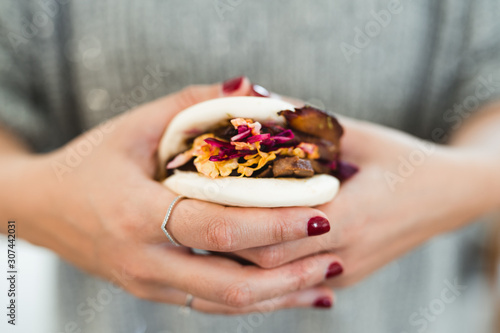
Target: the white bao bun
pixel 236 191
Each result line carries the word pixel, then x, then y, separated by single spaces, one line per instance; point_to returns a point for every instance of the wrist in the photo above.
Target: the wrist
pixel 459 189
pixel 14 189
pixel 490 184
pixel 25 196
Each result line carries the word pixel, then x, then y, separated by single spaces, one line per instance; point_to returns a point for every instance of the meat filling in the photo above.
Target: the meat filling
pixel 293 166
pixel 307 144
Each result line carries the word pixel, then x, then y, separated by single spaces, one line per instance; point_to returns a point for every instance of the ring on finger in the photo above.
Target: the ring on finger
pixel 167 217
pixel 187 304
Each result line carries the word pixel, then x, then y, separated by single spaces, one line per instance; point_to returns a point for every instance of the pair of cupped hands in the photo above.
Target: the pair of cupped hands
pixel 104 213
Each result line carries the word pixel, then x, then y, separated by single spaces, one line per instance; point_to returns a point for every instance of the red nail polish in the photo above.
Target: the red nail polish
pixel 260 91
pixel 323 302
pixel 333 270
pixel 317 226
pixel 232 85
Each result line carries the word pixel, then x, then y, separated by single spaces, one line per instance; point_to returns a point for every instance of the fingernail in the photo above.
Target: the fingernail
pixel 232 85
pixel 317 226
pixel 323 302
pixel 333 270
pixel 260 91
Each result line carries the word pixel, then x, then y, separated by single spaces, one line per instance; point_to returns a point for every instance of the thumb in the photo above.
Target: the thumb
pixel 191 95
pixel 159 113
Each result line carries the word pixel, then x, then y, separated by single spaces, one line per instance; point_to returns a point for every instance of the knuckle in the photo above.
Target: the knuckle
pixel 280 229
pixel 285 222
pixel 271 257
pixel 301 275
pixel 220 235
pixel 238 295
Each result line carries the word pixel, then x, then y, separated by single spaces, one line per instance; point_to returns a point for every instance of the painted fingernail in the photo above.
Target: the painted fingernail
pixel 333 270
pixel 260 91
pixel 317 226
pixel 232 85
pixel 323 302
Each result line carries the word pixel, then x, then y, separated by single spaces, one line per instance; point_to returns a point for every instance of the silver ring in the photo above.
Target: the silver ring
pixel 165 220
pixel 187 304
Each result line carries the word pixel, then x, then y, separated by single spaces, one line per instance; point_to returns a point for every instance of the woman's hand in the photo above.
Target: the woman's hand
pixel 95 203
pixel 406 191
